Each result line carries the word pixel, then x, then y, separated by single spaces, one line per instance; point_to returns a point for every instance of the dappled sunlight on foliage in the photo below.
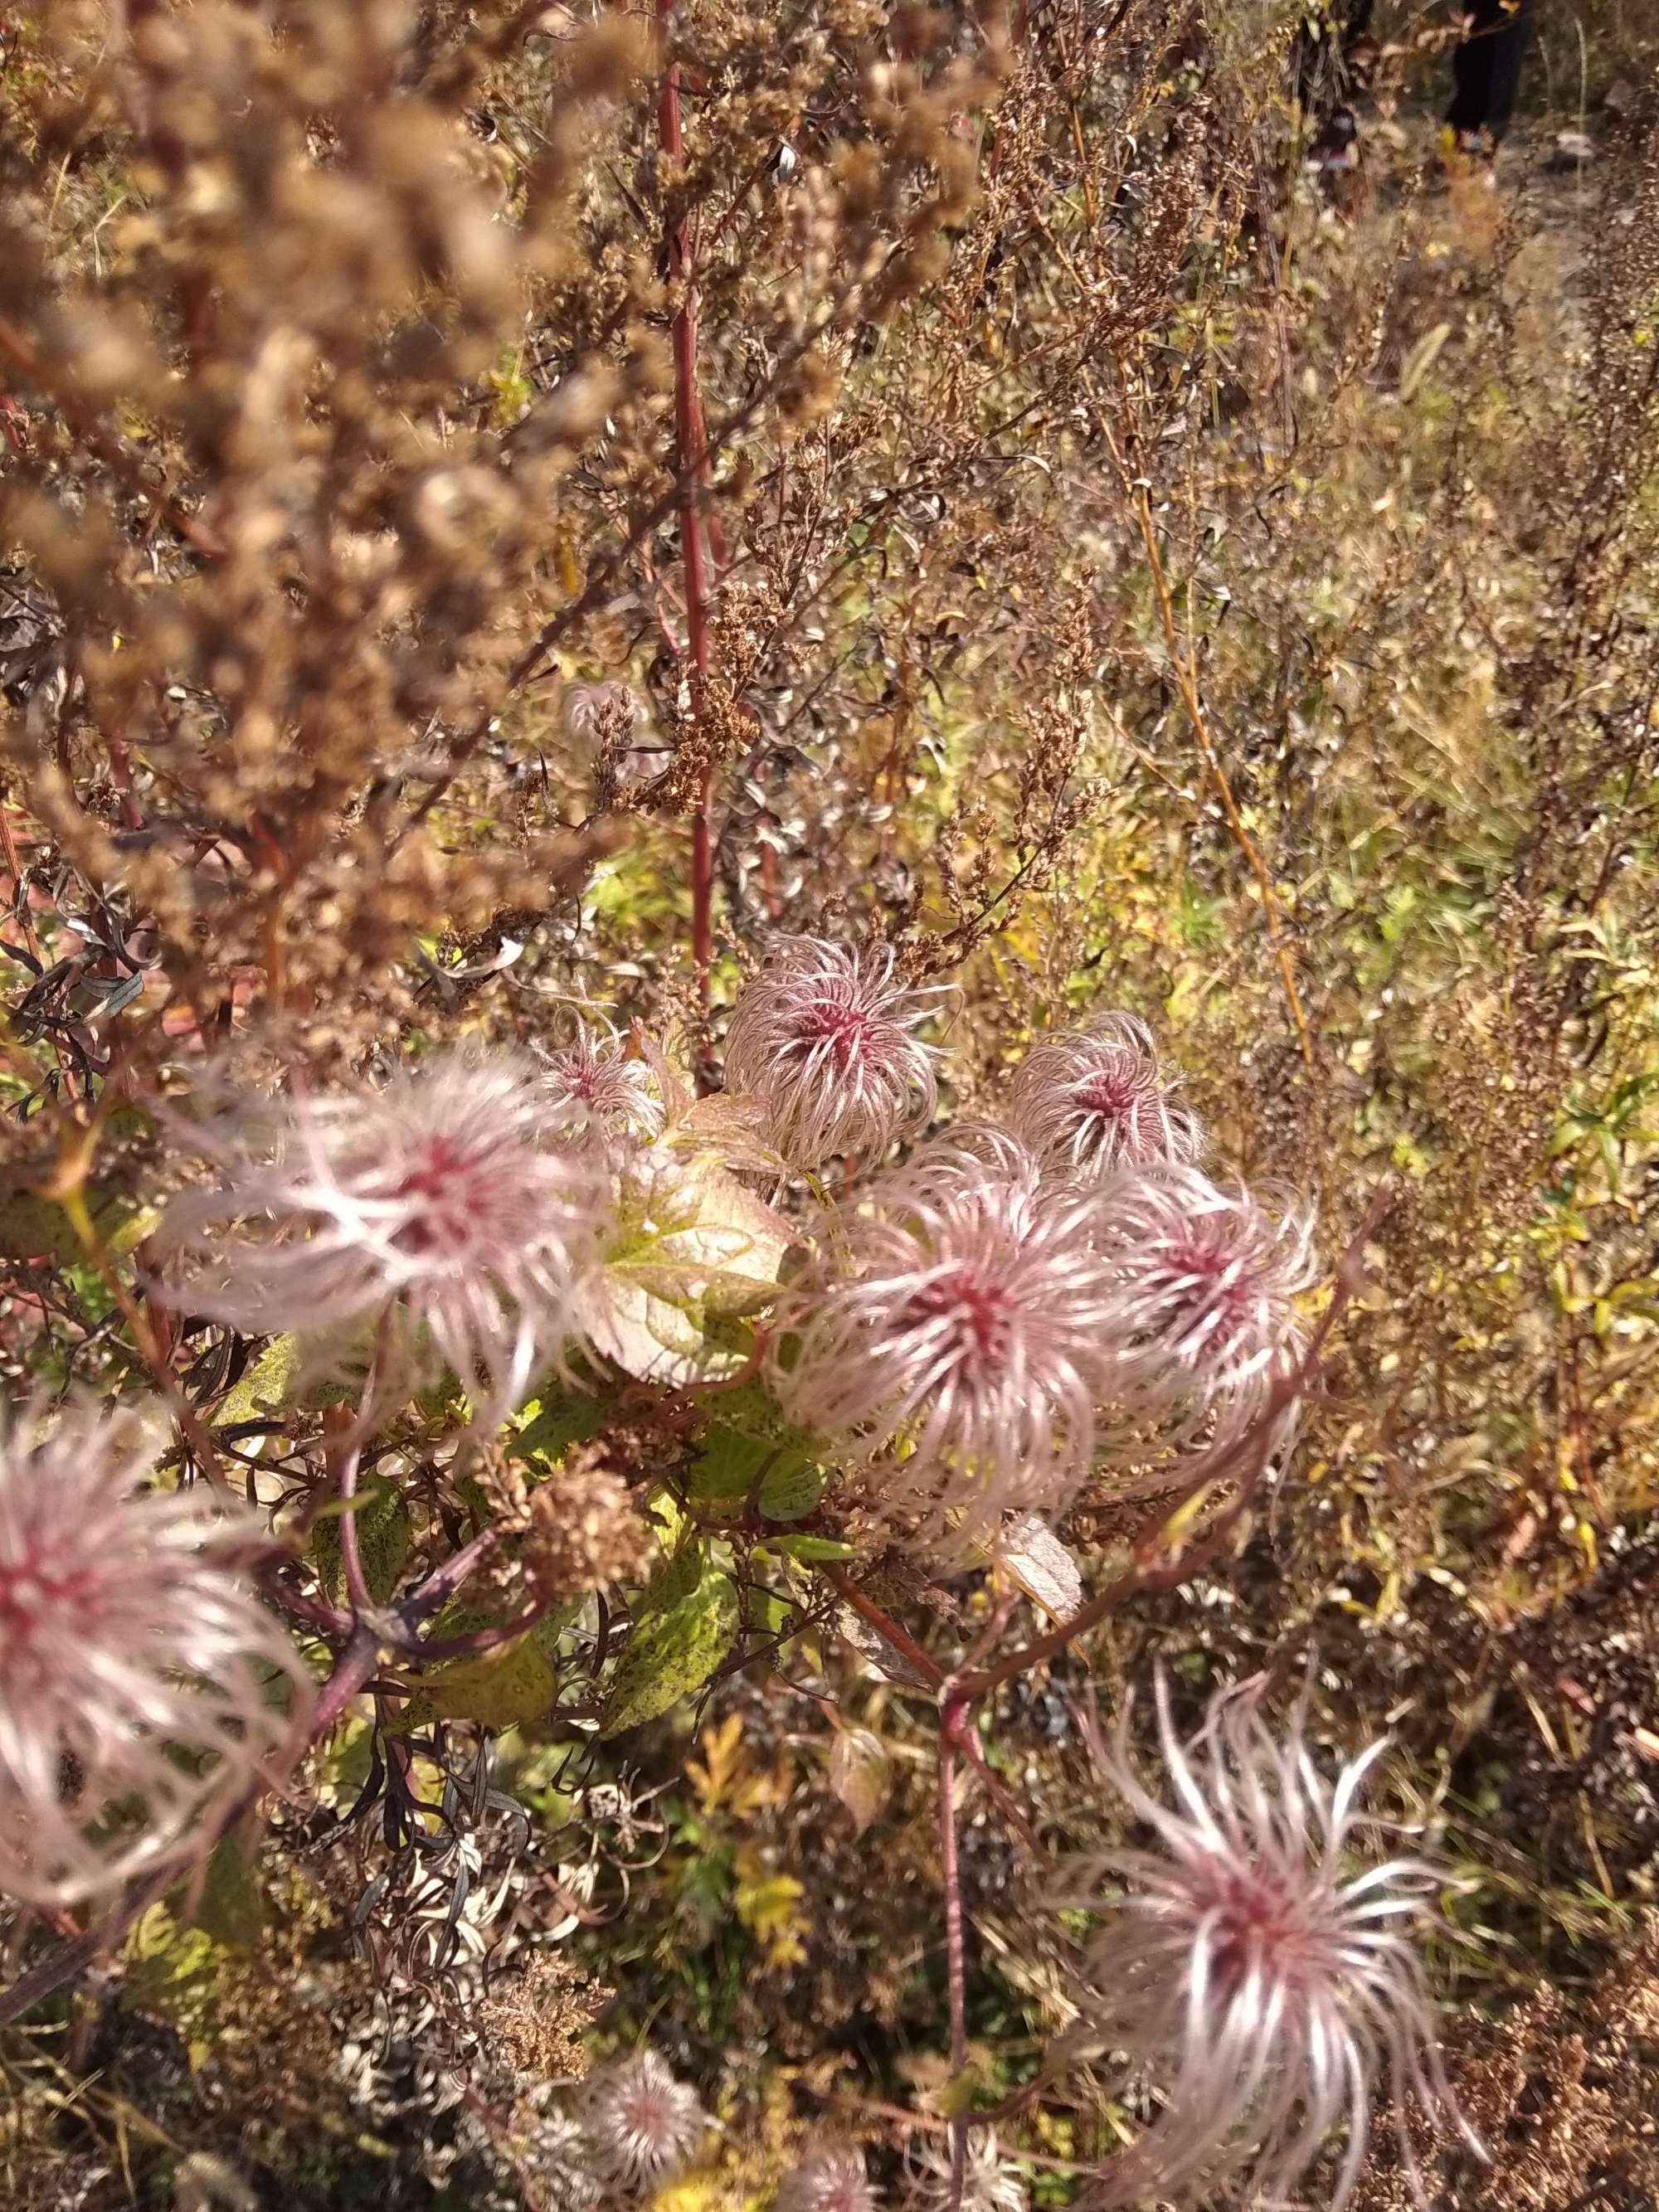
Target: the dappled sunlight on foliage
pixel 828 1007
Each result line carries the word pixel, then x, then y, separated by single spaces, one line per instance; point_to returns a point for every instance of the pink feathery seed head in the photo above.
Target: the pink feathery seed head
pixel 1088 1101
pixel 641 2126
pixel 442 1202
pixel 826 1038
pixel 595 1090
pixel 953 1322
pixel 1202 1322
pixel 1265 1987
pixel 831 2179
pixel 137 1668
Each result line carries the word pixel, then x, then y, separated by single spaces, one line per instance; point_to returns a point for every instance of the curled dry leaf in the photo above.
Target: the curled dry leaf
pixel 861 1774
pixel 1030 1553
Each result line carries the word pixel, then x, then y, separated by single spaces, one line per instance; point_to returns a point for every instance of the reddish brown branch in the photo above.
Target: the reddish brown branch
pixel 956 1952
pixel 690 465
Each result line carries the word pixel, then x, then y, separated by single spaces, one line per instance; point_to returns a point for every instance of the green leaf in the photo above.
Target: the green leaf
pixel 230 1908
pixel 728 1463
pixel 811 1548
pixel 673 1649
pixel 498 1689
pixel 33 1228
pixel 267 1388
pixel 383 1535
pixel 675 1579
pixel 565 1420
pixel 751 1407
pixel 691 1247
pixel 460 1618
pixel 792 1487
pixel 176 1973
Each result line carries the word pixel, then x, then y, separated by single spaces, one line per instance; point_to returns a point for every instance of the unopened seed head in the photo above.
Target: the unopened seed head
pixel 596 1092
pixel 1091 1100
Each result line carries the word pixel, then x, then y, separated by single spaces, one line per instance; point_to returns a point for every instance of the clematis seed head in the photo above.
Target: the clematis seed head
pixel 144 1687
pixel 1252 1970
pixel 826 1038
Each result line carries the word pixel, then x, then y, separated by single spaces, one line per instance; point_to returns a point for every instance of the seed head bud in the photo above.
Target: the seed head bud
pixel 1091 1100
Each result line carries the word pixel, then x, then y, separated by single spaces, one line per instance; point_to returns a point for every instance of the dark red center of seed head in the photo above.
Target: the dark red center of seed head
pixel 978 1313
pixel 1260 1926
pixel 441 1181
pixel 1114 1097
pixel 848 1031
pixel 37 1585
pixel 1203 1279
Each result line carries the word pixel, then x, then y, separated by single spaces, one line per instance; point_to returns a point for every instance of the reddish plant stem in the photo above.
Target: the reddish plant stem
pixel 885 1626
pixel 479 1640
pixel 120 772
pixel 441 1586
pixel 1241 1462
pixel 956 1951
pixel 935 1675
pixel 327 1620
pixel 353 1671
pixel 690 462
pixel 350 1550
pixel 14 865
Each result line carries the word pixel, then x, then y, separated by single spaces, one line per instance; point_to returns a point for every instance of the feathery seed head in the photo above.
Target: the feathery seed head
pixel 1267 1988
pixel 596 1091
pixel 1202 1320
pixel 825 1036
pixel 1091 1100
pixel 956 1313
pixel 832 2179
pixel 134 1661
pixel 990 2183
pixel 555 2152
pixel 641 2125
pixel 439 1202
